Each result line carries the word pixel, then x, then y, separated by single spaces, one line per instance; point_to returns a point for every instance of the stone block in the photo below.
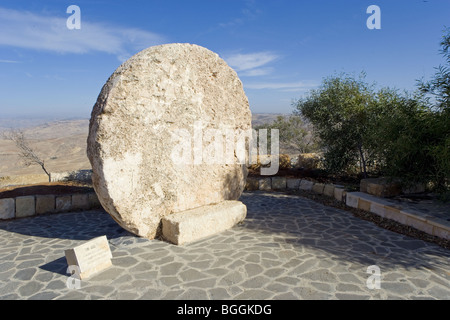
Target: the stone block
pixel 375 189
pixel 306 185
pixel 45 204
pixel 364 204
pixel 318 188
pixel 419 224
pixel 378 209
pixel 328 190
pixel 363 185
pixel 191 225
pixel 90 257
pixel 438 222
pixel 265 184
pixel 380 187
pixel 63 203
pixel 443 233
pixel 395 214
pixel 441 227
pixel 352 199
pixel 339 194
pixel 7 208
pixel 415 214
pixel 93 200
pixel 80 201
pixel 293 183
pixel 252 184
pixel 25 206
pixel 391 211
pixel 278 183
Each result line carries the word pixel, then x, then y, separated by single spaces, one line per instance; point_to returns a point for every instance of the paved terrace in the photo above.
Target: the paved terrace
pixel 288 248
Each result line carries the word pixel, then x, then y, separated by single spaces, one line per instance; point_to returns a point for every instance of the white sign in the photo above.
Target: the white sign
pixel 90 257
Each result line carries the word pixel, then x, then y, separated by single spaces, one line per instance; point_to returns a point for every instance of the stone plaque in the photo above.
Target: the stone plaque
pixel 90 257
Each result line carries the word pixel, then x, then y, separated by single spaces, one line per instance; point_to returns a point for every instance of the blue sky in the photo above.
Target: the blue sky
pixel 280 49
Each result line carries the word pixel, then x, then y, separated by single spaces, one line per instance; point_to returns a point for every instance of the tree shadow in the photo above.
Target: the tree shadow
pixel 81 225
pixel 336 234
pixel 44 189
pixel 77 225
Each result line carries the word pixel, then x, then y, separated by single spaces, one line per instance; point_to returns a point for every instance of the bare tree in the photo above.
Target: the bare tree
pixel 28 155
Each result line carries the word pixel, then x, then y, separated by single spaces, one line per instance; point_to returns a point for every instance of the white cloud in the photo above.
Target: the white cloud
pixel 254 65
pixel 248 13
pixel 257 72
pixel 9 61
pixel 232 23
pixel 32 31
pixel 249 61
pixel 283 86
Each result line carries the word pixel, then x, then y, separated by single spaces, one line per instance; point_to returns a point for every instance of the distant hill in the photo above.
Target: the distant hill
pixel 62 143
pixel 262 118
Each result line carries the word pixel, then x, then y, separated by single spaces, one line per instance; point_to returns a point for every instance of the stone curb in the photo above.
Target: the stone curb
pixel 27 206
pixel 359 200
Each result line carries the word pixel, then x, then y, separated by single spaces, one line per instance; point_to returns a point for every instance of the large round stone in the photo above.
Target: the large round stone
pixel 155 134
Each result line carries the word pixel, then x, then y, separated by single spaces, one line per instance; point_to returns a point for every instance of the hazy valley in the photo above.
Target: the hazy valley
pixel 61 143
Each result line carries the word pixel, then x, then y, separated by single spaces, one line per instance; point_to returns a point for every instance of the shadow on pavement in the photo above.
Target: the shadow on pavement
pixel 56 266
pixel 335 233
pixel 82 225
pixel 286 220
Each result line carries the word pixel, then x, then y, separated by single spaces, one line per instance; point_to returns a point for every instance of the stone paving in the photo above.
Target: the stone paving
pixel 288 248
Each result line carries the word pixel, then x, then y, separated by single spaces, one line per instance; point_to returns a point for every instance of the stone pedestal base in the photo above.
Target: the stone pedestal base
pixel 191 225
pixel 382 187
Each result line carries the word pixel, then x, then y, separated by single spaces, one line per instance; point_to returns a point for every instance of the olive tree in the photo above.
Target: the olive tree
pixel 294 133
pixel 26 152
pixel 415 133
pixel 340 111
pixel 439 86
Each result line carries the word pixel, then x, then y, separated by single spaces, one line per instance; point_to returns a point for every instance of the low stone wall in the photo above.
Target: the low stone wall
pixel 27 206
pixel 280 183
pixel 420 221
